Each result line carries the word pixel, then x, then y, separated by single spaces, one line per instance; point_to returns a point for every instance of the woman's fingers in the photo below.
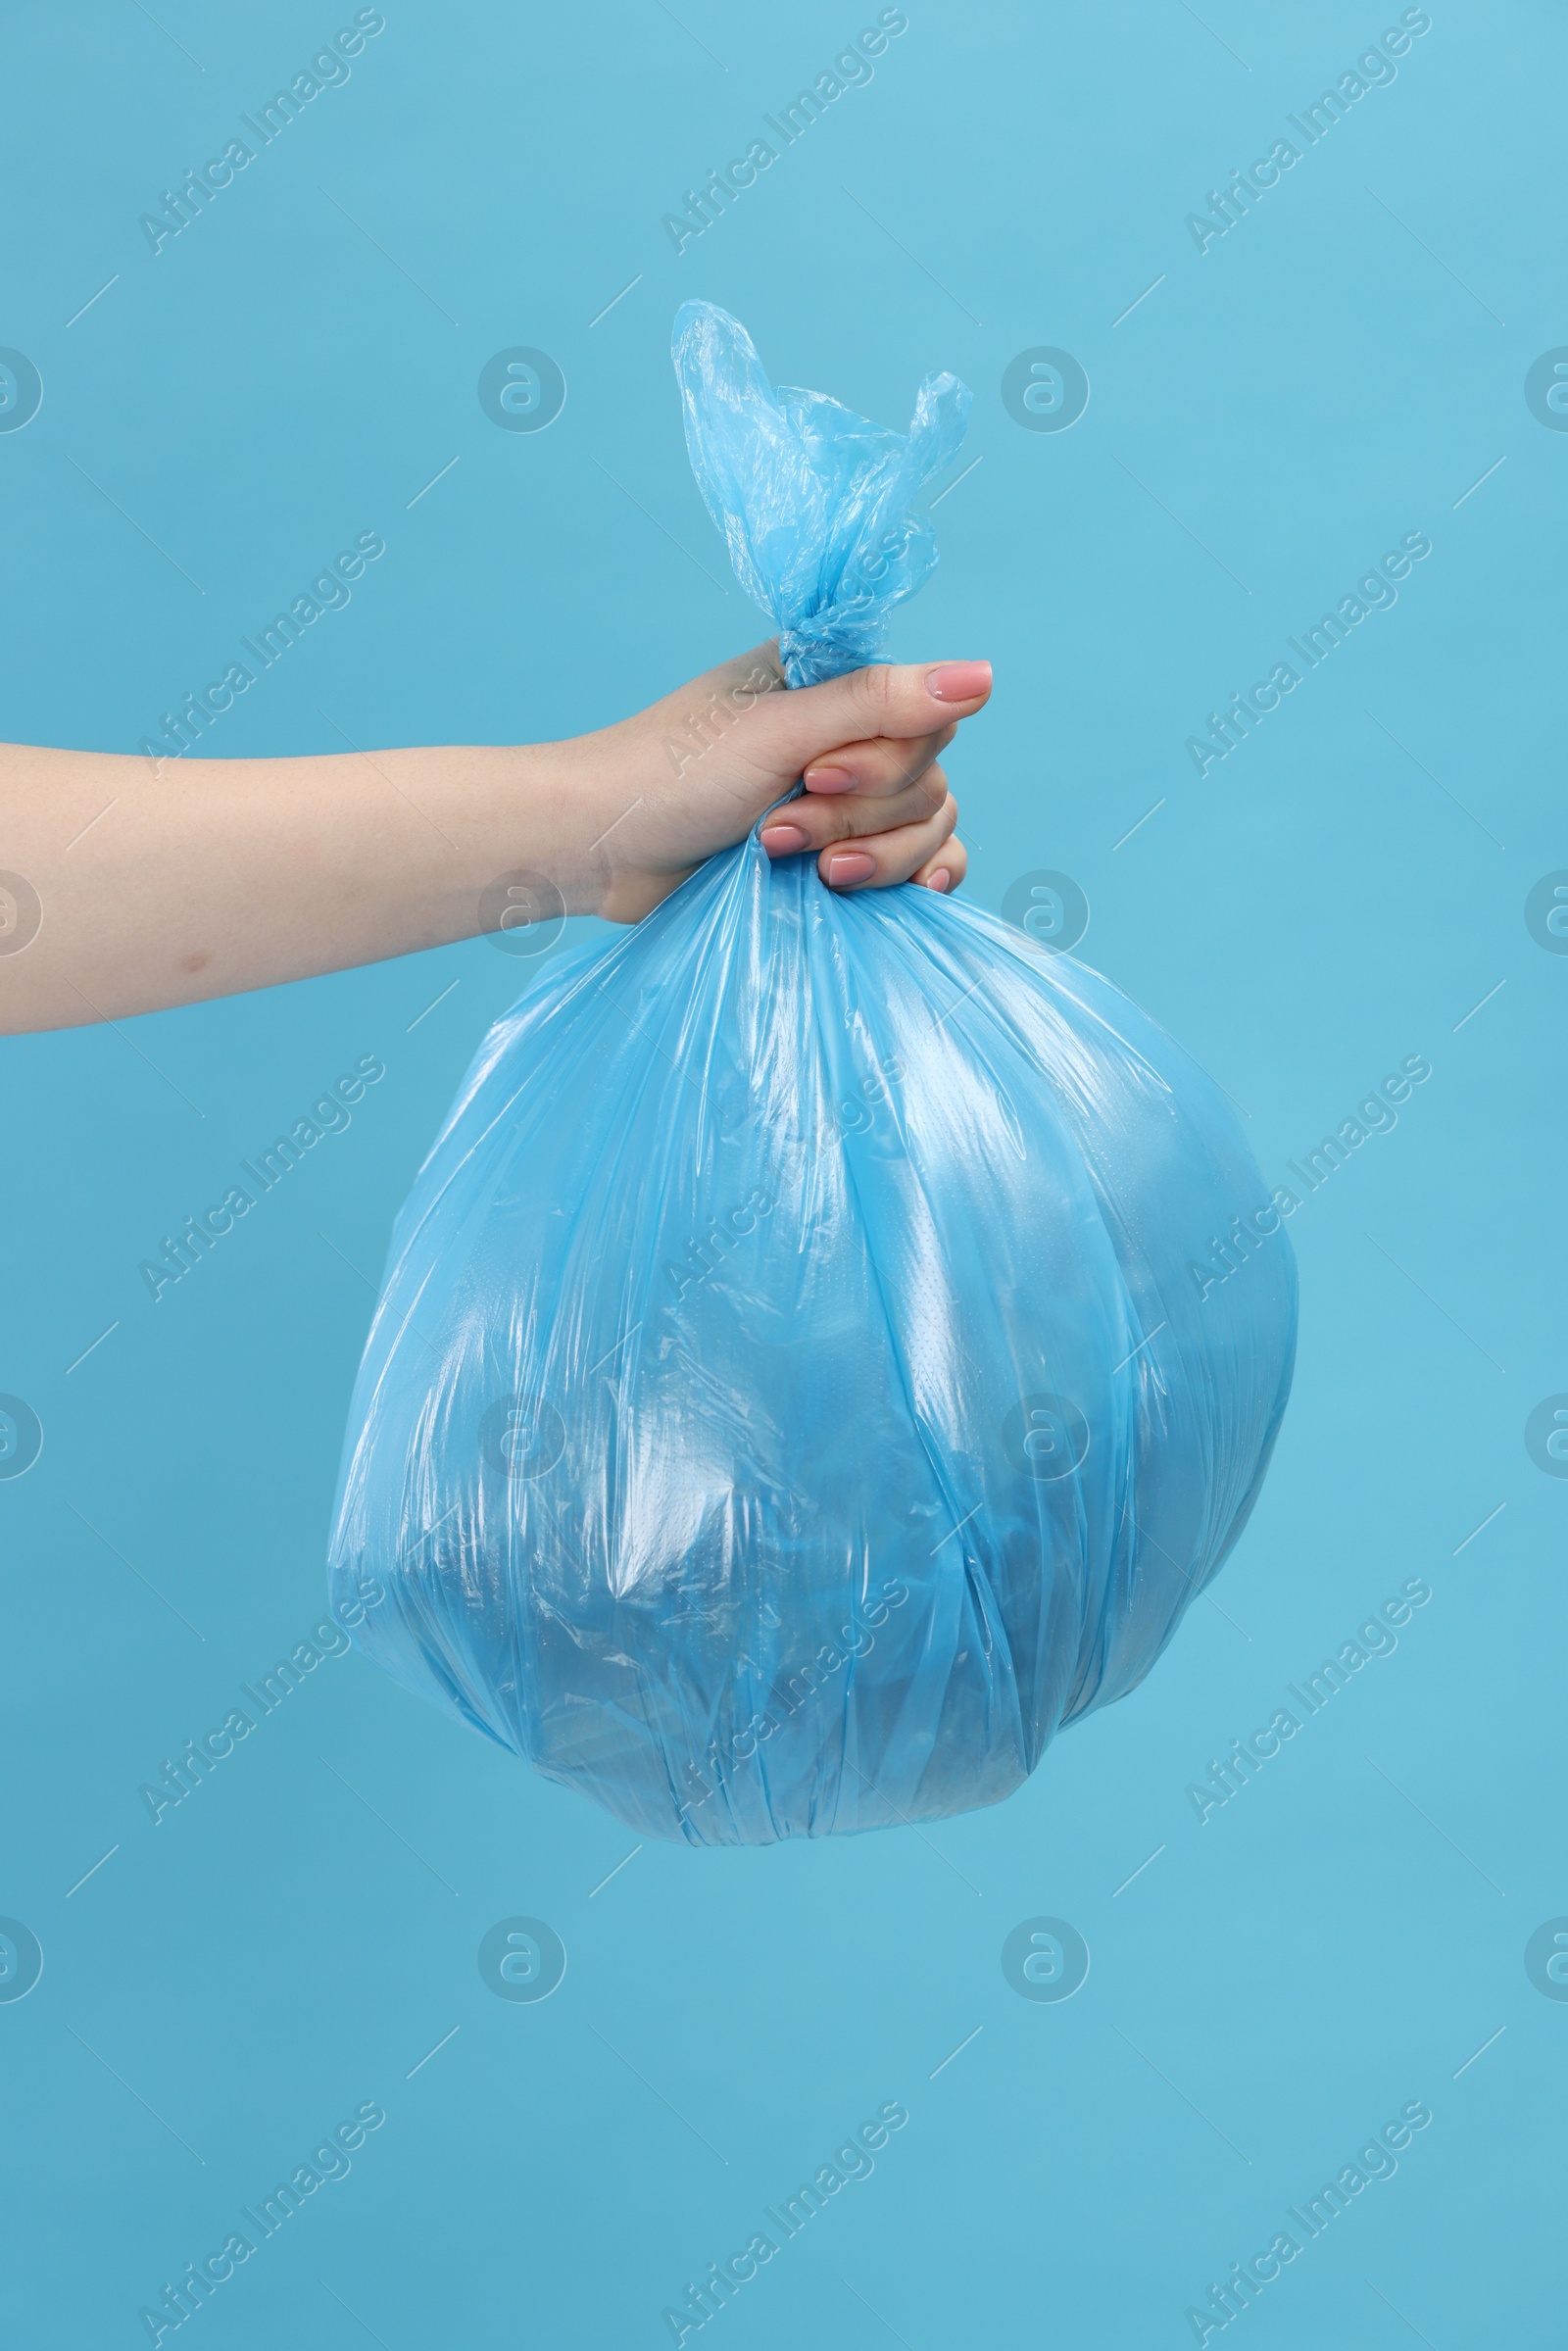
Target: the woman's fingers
pixel 876 809
pixel 880 766
pixel 946 868
pixel 814 823
pixel 866 842
pixel 902 853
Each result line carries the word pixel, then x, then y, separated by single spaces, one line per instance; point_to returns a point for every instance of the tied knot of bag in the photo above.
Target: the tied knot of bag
pixel 819 507
pixel 830 645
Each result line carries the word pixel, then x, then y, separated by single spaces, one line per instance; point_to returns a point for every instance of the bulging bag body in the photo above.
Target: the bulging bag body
pixel 802 1382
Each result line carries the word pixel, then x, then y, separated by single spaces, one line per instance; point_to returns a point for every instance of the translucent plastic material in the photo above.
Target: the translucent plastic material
pixel 805 1378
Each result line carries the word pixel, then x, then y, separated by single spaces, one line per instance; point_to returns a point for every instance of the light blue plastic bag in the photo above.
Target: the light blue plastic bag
pixel 804 1378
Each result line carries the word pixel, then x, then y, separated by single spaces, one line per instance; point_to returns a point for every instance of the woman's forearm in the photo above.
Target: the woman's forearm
pixel 211 876
pixel 129 885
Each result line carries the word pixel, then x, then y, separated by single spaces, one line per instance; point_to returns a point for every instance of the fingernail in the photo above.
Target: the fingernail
pixel 942 879
pixel 852 867
pixel 784 839
pixel 828 779
pixel 958 681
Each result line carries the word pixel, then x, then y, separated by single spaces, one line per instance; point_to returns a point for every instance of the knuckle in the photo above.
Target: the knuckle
pixel 873 692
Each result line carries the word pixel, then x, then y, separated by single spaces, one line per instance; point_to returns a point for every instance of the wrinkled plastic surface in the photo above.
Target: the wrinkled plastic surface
pixel 792 1399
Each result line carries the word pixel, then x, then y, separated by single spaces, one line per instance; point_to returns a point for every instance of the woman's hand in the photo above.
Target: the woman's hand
pixel 693 773
pixel 133 884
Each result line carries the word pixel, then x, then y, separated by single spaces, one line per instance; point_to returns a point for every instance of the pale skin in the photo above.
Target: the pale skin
pixel 207 877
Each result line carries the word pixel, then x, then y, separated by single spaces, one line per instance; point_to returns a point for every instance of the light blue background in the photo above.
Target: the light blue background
pixel 1341 1939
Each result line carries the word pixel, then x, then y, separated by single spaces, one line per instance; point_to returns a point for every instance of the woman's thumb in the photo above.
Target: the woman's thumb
pixel 894 699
